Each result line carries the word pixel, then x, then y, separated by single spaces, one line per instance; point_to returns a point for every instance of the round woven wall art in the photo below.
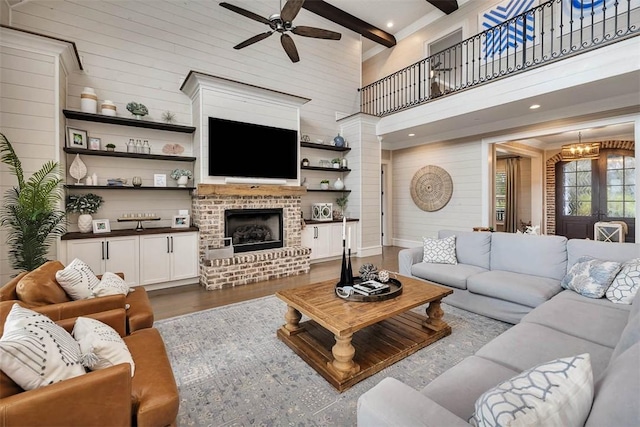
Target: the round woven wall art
pixel 431 188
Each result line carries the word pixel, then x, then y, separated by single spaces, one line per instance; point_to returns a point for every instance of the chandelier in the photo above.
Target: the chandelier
pixel 589 150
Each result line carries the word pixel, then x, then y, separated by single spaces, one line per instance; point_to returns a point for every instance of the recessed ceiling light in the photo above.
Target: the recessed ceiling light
pixel 389 24
pixel 534 106
pixel 412 134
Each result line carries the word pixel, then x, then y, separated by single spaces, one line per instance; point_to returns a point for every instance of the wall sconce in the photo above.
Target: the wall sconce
pixel 589 150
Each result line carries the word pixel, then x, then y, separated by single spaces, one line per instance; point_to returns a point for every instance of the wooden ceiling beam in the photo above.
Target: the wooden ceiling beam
pixel 447 6
pixel 340 17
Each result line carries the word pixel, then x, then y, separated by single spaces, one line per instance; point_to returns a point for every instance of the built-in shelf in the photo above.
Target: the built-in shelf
pixel 330 190
pixel 101 118
pixel 323 146
pixel 86 152
pixel 129 232
pixel 319 168
pixel 123 187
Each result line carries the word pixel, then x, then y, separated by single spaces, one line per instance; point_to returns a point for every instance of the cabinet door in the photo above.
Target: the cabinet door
pixel 122 256
pixel 323 241
pixel 307 238
pixel 155 259
pixel 336 242
pixel 91 251
pixel 184 255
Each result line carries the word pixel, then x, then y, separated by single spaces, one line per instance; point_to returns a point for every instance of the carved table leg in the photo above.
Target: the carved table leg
pixel 342 364
pixel 434 317
pixel 292 316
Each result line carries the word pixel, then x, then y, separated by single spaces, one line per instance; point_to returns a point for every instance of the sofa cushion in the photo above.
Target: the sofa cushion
pixel 39 287
pixel 544 256
pixel 35 352
pixel 526 344
pixel 591 277
pixel 555 393
pixel 77 279
pixel 609 251
pixel 446 274
pixel 630 336
pixel 523 289
pixel 599 323
pixel 442 251
pixel 616 393
pixel 101 346
pixel 626 283
pixel 110 284
pixel 472 248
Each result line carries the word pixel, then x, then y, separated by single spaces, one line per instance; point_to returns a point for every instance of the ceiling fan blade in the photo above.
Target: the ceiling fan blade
pixel 289 47
pixel 253 40
pixel 290 10
pixel 317 33
pixel 245 12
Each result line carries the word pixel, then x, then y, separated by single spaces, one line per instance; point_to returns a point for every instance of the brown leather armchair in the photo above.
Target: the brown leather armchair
pixel 104 397
pixel 39 288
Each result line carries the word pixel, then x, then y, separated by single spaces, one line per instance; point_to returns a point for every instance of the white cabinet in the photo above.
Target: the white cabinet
pixel 325 240
pixel 166 257
pixel 114 254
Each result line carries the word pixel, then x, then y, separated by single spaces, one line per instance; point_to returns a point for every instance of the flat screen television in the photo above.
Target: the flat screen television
pixel 247 150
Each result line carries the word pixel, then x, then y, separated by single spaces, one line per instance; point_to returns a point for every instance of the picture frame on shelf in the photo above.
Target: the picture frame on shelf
pixel 180 221
pixel 101 226
pixel 159 180
pixel 76 138
pixel 94 143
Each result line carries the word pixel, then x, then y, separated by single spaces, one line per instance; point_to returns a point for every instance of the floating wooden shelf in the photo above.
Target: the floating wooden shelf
pixel 323 146
pixel 102 153
pixel 320 168
pixel 122 187
pixel 328 190
pixel 100 118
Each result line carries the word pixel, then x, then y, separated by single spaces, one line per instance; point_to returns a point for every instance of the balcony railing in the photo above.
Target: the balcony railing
pixel 550 32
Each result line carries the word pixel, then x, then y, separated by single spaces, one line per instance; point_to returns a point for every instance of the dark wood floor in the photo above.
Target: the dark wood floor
pixel 188 299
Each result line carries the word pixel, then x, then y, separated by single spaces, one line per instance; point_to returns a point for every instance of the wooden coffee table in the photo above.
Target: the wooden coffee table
pixel 348 341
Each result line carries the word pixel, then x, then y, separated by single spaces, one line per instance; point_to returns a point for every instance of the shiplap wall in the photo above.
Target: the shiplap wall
pixel 463 212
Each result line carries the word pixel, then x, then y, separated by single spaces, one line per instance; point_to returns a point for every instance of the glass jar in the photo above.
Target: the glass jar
pixel 131 146
pixel 146 148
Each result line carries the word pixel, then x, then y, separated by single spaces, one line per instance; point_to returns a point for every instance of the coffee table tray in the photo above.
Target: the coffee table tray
pixel 395 289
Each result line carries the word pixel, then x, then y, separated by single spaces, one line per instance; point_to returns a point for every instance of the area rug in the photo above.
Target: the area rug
pixel 231 369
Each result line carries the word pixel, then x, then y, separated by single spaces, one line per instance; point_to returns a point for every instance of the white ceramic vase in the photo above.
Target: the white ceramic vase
pixel 85 223
pixel 338 184
pixel 182 181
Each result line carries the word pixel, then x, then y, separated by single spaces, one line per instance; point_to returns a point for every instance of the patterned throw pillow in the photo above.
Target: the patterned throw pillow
pixel 35 352
pixel 110 284
pixel 101 345
pixel 440 251
pixel 625 285
pixel 556 393
pixel 590 277
pixel 77 279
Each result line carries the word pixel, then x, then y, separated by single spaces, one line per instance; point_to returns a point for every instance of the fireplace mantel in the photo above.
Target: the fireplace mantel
pixel 249 190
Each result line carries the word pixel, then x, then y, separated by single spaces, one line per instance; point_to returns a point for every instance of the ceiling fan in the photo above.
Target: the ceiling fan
pixel 282 23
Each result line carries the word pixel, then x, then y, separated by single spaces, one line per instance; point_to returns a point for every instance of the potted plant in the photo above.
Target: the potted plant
pixel 324 184
pixel 182 176
pixel 110 147
pixel 29 211
pixel 85 205
pixel 342 202
pixel 336 163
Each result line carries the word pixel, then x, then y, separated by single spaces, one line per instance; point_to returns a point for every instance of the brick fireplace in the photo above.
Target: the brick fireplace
pixel 209 207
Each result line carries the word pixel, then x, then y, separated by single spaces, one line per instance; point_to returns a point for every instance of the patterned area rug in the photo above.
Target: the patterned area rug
pixel 231 370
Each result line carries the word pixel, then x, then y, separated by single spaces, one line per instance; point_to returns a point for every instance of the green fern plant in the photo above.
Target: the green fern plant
pixel 30 212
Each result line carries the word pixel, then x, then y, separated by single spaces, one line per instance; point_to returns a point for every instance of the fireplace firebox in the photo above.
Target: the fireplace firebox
pixel 254 229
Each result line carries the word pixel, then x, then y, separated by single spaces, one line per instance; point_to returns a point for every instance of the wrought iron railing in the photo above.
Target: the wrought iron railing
pixel 552 31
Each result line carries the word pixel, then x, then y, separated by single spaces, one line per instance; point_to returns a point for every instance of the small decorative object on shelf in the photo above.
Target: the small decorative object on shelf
pixel 138 110
pixel 131 146
pixel 182 176
pixel 168 117
pixel 108 108
pixel 85 205
pixel 89 101
pixel 338 184
pixel 159 180
pixel 324 184
pixel 78 169
pixel 344 163
pixel 173 149
pixel 305 162
pixel 110 147
pixel 305 138
pixel 322 211
pixel 137 181
pixel 342 202
pixel 338 141
pixel 94 143
pixel 116 182
pixel 335 163
pixel 368 272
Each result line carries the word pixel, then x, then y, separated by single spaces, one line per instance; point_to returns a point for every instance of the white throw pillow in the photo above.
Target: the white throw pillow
pixel 101 346
pixel 77 279
pixel 557 393
pixel 110 284
pixel 35 352
pixel 626 283
pixel 590 277
pixel 440 251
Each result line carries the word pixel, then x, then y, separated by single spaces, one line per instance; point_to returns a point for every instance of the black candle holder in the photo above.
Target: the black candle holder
pixel 346 273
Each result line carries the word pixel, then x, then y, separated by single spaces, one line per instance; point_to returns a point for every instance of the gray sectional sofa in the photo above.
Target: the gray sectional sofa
pixel 517 278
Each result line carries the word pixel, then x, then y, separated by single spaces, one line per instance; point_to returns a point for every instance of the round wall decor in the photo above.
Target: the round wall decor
pixel 431 188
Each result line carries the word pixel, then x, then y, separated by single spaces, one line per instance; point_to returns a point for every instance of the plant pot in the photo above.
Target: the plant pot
pixel 336 165
pixel 85 223
pixel 324 186
pixel 182 181
pixel 110 149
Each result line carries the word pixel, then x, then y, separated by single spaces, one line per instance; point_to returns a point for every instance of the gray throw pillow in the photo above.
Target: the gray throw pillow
pixel 591 277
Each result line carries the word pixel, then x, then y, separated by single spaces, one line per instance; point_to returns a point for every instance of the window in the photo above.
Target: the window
pixel 577 188
pixel 621 197
pixel 501 195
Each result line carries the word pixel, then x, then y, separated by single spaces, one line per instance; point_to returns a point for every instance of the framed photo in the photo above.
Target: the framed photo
pixel 76 138
pixel 101 226
pixel 180 221
pixel 159 180
pixel 94 143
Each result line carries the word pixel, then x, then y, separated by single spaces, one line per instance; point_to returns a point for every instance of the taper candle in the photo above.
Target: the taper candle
pixel 349 239
pixel 344 227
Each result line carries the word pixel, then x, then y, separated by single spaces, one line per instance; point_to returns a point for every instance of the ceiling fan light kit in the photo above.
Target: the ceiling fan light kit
pixel 282 23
